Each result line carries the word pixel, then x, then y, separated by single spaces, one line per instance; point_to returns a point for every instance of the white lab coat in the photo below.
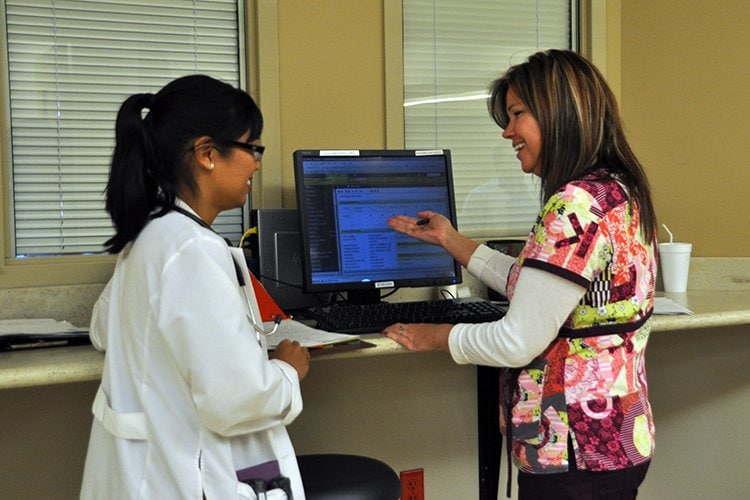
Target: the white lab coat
pixel 188 394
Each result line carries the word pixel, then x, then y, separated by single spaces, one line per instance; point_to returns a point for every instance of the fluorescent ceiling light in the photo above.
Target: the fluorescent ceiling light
pixel 447 98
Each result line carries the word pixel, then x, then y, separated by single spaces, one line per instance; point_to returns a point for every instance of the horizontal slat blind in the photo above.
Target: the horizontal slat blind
pixel 71 64
pixel 453 49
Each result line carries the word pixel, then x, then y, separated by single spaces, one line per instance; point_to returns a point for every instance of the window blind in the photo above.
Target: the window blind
pixel 453 50
pixel 71 63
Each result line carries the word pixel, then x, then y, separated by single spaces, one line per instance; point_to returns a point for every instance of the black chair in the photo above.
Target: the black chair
pixel 347 477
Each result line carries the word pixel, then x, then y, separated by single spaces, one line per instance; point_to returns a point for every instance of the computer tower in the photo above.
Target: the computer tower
pixel 277 248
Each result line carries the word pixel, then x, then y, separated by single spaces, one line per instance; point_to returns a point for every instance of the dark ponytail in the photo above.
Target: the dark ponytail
pixel 152 155
pixel 131 190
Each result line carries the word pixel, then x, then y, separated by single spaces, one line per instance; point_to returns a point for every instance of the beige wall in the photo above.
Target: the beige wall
pixel 686 105
pixel 326 81
pixel 679 70
pixel 332 83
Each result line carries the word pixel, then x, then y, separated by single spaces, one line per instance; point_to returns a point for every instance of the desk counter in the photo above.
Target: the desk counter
pixel 83 363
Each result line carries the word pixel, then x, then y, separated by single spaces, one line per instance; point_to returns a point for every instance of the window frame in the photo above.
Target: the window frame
pixel 80 269
pixel 446 104
pixel 595 22
pixel 599 31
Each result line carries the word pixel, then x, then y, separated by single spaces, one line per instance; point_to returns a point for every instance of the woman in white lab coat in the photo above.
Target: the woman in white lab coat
pixel 189 395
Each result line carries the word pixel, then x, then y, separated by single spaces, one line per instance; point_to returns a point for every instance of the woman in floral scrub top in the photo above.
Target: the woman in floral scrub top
pixel 581 291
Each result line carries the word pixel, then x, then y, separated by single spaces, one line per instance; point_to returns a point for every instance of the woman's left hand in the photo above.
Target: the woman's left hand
pixel 420 336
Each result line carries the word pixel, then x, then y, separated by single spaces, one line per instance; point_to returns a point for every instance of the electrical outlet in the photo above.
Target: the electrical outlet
pixel 412 484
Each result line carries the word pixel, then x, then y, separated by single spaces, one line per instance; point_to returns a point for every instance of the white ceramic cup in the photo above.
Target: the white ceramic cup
pixel 675 265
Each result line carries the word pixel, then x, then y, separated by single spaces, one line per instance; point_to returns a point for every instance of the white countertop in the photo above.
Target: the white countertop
pixel 83 363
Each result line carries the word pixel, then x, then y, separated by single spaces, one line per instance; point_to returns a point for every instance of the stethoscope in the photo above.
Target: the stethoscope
pixel 260 329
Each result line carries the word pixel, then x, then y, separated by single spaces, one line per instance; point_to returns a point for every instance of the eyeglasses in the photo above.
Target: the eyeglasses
pixel 256 149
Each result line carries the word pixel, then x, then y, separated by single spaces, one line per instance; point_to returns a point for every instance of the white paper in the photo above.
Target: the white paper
pixel 305 335
pixel 663 305
pixel 43 326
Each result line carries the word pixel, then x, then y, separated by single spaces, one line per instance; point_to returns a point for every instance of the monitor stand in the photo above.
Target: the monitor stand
pixel 363 296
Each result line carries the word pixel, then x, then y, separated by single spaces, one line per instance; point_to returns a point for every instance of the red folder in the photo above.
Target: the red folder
pixel 269 309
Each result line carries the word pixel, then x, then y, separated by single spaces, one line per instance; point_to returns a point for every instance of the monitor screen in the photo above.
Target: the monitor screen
pixel 345 199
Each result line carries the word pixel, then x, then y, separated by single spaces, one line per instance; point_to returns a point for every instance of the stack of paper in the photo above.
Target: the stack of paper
pixel 663 305
pixel 306 335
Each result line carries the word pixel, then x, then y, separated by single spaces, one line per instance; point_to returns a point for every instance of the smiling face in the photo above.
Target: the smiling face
pixel 223 176
pixel 524 132
pixel 233 175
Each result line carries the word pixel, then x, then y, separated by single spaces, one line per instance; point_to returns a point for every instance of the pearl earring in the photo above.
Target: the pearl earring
pixel 211 166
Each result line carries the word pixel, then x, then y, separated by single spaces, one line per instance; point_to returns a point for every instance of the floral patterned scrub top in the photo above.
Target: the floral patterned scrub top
pixel 591 380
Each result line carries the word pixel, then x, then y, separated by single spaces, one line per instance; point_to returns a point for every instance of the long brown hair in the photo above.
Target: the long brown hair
pixel 580 125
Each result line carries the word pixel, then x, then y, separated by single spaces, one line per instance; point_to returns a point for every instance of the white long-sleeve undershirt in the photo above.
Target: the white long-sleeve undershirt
pixel 541 303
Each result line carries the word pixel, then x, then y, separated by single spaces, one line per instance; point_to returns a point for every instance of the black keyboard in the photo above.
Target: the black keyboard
pixel 369 318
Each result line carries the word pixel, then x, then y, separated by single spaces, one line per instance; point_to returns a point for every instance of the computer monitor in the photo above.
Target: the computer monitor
pixel 344 199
